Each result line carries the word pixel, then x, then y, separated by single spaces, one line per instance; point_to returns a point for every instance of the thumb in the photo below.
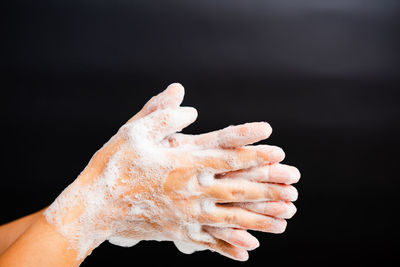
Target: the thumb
pixel 171 97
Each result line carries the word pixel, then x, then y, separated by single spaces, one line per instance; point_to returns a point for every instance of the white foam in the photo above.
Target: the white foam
pixel 123 241
pixel 107 209
pixel 206 178
pixel 208 206
pixel 195 232
pixel 187 247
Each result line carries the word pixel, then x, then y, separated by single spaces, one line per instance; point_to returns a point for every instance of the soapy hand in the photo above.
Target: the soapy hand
pixel 202 192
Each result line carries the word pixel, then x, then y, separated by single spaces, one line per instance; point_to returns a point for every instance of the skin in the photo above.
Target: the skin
pixel 11 231
pixel 255 193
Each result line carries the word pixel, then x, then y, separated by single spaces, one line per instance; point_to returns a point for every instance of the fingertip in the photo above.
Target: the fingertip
pixel 289 193
pixel 242 255
pixel 286 192
pixel 176 84
pixel 171 97
pixel 295 194
pixel 276 155
pixel 184 116
pixel 295 175
pixel 243 239
pixel 176 91
pixel 190 112
pixel 279 226
pixel 266 129
pixel 257 130
pixel 289 212
pixel 253 242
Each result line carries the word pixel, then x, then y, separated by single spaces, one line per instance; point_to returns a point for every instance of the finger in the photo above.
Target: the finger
pixel 275 173
pixel 236 237
pixel 234 217
pixel 227 190
pixel 228 250
pixel 232 136
pixel 171 97
pixel 217 245
pixel 279 209
pixel 164 122
pixel 225 160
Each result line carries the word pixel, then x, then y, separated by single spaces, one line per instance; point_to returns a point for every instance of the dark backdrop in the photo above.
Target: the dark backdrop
pixel 323 73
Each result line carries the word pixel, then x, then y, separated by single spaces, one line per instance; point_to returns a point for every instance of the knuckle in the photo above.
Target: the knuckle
pixel 271 193
pixel 230 218
pixel 237 193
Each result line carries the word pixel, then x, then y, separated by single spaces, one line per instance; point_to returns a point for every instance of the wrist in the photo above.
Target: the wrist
pixel 75 215
pixel 40 245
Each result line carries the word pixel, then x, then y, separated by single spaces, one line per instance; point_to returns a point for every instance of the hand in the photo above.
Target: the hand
pixel 141 184
pixel 272 174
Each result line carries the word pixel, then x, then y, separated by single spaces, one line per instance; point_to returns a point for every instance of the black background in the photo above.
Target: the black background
pixel 324 74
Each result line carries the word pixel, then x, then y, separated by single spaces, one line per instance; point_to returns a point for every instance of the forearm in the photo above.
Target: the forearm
pixel 38 242
pixel 13 230
pixel 40 245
